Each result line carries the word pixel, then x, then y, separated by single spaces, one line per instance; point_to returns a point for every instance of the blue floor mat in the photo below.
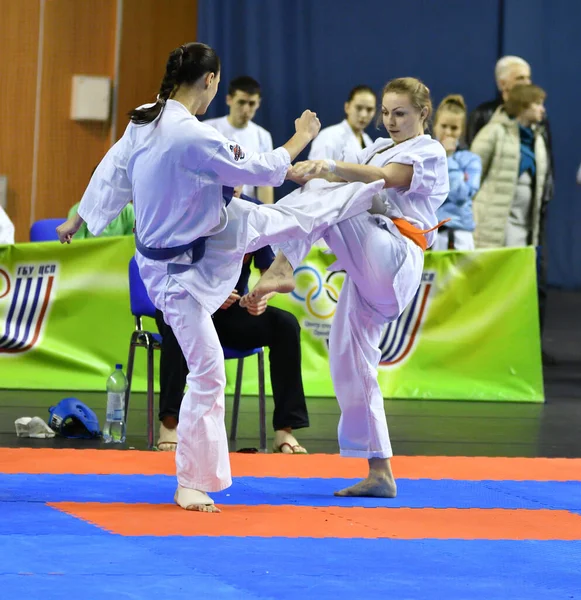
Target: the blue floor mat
pixel 399 569
pixel 156 586
pixel 420 493
pixel 287 569
pixel 36 519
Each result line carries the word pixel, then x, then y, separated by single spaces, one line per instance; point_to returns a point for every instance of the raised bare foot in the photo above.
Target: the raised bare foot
pixel 286 443
pixel 194 500
pixel 278 278
pixel 372 487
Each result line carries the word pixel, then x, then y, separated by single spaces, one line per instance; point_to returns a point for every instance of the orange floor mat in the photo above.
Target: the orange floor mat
pixel 134 462
pixel 336 522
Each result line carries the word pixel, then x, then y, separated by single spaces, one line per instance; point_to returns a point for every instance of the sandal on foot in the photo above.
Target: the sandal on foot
pixel 296 449
pixel 168 439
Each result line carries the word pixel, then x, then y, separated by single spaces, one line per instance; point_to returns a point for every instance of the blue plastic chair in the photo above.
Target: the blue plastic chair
pixel 45 230
pixel 141 306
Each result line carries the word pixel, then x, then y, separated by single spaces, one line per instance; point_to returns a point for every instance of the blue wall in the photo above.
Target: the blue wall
pixel 310 53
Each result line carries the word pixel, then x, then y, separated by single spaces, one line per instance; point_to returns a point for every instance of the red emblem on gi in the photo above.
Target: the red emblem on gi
pixel 237 151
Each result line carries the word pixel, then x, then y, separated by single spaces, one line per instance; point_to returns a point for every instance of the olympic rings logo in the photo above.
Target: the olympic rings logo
pixel 312 296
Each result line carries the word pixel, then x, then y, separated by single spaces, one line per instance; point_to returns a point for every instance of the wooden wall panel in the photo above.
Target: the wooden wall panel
pixel 79 38
pixel 19 25
pixel 151 30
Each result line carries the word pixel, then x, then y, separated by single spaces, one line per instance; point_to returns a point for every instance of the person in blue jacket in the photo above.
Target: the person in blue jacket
pixel 464 171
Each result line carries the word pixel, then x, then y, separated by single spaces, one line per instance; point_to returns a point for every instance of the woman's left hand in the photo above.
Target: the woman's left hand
pixel 310 169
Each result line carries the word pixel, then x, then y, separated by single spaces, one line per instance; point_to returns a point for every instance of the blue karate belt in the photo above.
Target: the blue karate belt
pixel 198 246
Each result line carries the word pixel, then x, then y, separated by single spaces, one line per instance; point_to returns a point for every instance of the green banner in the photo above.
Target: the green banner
pixel 64 314
pixel 471 333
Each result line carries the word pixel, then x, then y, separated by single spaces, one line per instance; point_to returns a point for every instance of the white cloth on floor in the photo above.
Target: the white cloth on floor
pixel 33 427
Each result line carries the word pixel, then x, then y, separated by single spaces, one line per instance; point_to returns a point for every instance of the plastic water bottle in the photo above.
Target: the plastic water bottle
pixel 114 428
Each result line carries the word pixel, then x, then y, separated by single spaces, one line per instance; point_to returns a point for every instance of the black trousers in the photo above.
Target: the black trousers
pixel 276 329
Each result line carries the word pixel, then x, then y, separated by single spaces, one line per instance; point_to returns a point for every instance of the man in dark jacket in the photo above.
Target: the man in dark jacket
pixel 511 71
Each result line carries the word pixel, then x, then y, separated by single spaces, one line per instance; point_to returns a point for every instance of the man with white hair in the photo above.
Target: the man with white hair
pixel 511 71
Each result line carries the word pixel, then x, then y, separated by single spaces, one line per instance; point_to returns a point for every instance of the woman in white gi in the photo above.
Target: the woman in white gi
pixel 382 252
pixel 344 140
pixel 174 169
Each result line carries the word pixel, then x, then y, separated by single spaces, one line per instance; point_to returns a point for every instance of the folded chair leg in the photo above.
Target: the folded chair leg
pixel 236 404
pixel 150 395
pixel 261 401
pixel 130 360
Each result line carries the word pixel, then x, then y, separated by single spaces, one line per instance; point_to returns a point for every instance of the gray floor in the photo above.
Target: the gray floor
pixel 417 427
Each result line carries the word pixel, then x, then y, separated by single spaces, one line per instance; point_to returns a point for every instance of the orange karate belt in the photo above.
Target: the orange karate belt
pixel 416 235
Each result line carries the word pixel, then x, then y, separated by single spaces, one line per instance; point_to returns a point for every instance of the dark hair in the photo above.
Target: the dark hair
pixel 185 66
pixel 358 89
pixel 245 84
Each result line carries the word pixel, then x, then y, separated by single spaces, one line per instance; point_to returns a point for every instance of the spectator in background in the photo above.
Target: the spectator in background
pixel 243 100
pixel 515 162
pixel 508 72
pixel 348 136
pixel 6 229
pixel 464 171
pixel 511 71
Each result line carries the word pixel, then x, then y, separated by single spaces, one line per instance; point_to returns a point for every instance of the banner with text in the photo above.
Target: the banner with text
pixel 472 331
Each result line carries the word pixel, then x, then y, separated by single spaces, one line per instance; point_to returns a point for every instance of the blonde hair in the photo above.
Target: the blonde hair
pixel 521 97
pixel 453 103
pixel 505 63
pixel 416 90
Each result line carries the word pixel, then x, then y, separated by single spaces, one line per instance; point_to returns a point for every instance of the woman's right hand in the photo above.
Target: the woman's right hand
pixel 66 231
pixel 308 124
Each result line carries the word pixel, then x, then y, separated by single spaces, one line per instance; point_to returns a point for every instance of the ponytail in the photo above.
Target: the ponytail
pixel 185 66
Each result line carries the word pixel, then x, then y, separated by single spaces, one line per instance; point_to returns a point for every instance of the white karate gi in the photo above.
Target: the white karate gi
pixel 6 229
pixel 174 170
pixel 252 137
pixel 338 142
pixel 384 271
